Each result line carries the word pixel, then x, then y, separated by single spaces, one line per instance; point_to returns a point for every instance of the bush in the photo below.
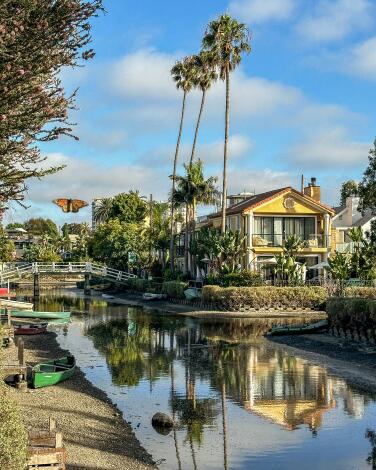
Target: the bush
pixel 364 292
pixel 245 298
pixel 174 289
pixel 143 285
pixel 13 438
pixel 241 279
pixel 352 315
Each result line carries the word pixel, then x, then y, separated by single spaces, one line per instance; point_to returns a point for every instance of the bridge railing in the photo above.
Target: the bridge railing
pixel 17 271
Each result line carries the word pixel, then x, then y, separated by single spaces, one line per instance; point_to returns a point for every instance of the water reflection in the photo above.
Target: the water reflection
pixel 238 401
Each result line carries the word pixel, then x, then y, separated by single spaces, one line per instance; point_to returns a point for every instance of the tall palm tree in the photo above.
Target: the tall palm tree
pixel 182 73
pixel 193 189
pixel 102 210
pixel 225 40
pixel 205 76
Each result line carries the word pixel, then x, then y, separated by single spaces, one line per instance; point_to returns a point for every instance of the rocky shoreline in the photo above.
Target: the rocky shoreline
pixel 95 434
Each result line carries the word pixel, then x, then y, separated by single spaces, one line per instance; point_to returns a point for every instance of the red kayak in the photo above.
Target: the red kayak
pixel 32 329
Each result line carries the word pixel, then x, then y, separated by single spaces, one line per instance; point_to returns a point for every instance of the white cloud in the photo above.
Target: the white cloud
pixel 144 75
pixel 333 20
pixel 241 179
pixel 329 148
pixel 361 59
pixel 259 11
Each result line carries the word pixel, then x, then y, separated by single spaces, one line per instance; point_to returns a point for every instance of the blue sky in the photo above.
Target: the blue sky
pixel 302 101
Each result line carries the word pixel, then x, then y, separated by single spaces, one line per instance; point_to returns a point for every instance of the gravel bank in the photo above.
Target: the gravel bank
pixel 351 360
pixel 94 432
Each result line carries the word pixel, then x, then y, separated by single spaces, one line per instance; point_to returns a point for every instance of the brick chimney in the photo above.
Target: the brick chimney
pixel 312 190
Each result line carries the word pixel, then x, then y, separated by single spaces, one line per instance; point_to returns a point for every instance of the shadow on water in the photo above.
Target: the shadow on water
pixel 238 401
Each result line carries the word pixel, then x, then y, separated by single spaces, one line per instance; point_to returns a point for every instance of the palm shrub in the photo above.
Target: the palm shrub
pixel 174 289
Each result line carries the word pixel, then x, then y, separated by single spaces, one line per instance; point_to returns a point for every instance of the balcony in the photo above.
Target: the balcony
pixel 277 240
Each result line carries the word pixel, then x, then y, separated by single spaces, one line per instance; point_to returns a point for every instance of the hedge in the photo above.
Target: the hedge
pixel 13 438
pixel 143 285
pixel 352 315
pixel 245 298
pixel 174 289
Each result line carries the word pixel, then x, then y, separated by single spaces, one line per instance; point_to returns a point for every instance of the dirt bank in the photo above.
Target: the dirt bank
pixel 351 360
pixel 94 432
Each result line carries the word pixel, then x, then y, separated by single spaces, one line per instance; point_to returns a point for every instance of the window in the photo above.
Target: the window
pixel 275 229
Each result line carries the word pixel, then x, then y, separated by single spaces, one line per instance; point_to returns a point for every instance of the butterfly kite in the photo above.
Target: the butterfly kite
pixel 70 205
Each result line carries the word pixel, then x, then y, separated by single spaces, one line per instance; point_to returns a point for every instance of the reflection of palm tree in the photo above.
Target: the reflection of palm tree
pixel 173 414
pixel 224 425
pixel 371 436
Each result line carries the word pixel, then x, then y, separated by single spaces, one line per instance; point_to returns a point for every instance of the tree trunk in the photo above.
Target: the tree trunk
pixel 227 126
pixel 186 236
pixel 173 183
pixel 193 230
pixel 197 127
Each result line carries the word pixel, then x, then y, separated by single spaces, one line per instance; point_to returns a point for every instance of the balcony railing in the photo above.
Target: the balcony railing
pixel 278 240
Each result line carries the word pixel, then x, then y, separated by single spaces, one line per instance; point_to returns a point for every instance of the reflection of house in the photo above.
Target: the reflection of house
pixel 345 218
pixel 267 219
pixel 286 391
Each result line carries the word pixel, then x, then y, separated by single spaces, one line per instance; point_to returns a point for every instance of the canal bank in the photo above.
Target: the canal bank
pixel 186 309
pixel 94 432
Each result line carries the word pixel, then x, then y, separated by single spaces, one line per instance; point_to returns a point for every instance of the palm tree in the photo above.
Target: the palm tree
pixel 102 210
pixel 193 189
pixel 225 40
pixel 182 73
pixel 205 75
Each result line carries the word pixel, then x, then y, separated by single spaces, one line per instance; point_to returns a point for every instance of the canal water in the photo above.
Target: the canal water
pixel 239 401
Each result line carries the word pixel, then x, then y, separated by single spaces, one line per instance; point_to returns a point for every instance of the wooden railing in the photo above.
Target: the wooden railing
pixel 14 272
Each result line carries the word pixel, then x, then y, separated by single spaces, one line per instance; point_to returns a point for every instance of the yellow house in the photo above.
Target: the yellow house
pixel 267 219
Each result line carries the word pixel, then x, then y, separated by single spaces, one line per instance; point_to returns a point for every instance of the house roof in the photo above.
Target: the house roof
pixel 339 209
pixel 259 199
pixel 366 218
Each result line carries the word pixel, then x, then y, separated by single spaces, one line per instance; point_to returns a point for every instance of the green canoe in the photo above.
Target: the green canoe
pixel 317 327
pixel 53 372
pixel 36 314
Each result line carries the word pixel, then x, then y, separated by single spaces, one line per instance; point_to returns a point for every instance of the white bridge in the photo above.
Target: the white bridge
pixel 13 272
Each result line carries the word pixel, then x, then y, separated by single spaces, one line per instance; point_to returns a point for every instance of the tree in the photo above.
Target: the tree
pixel 204 76
pixel 348 188
pixel 40 226
pixel 367 187
pixel 286 265
pixel 14 225
pixel 225 40
pixel 102 210
pixel 73 228
pixel 7 248
pixel 37 39
pixel 129 208
pixel 193 189
pixel 183 75
pixel 43 251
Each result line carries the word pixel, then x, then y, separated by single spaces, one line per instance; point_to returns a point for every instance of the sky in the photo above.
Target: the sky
pixel 301 103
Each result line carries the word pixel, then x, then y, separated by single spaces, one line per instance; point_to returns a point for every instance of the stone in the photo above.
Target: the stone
pixel 162 420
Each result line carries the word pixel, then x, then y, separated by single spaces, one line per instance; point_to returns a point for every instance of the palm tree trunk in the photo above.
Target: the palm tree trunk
pixel 173 182
pixel 224 425
pixel 197 127
pixel 186 236
pixel 193 230
pixel 227 127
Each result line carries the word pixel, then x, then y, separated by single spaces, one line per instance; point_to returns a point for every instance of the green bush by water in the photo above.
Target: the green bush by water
pixel 174 289
pixel 244 298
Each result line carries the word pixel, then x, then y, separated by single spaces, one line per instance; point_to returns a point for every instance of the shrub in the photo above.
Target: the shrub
pixel 143 285
pixel 364 292
pixel 12 430
pixel 244 278
pixel 244 298
pixel 174 289
pixel 352 315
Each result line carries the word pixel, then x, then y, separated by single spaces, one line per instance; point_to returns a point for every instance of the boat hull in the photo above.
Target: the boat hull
pixel 33 314
pixel 317 327
pixel 53 372
pixel 30 329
